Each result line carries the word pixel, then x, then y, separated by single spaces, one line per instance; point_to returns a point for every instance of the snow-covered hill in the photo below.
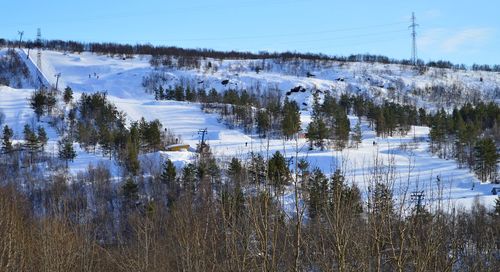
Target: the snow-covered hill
pixel 412 165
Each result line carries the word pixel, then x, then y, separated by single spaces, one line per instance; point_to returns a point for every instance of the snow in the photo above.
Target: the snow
pixel 414 167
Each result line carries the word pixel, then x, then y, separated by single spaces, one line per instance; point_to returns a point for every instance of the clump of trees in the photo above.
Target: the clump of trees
pixel 13 70
pixel 470 135
pixel 329 123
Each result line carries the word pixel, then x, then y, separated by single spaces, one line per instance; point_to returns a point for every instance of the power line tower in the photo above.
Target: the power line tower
pixel 418 196
pixel 39 52
pixel 21 33
pixel 414 39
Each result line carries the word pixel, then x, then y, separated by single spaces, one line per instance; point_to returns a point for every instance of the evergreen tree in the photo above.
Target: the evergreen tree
pixel 66 151
pixel 380 126
pixel 189 178
pixel 460 140
pixel 179 93
pixel 257 169
pixel 42 137
pixel 342 128
pixel 263 123
pixel 486 160
pixel 357 135
pixel 381 202
pixel 30 139
pixel 132 158
pixel 190 95
pixel 169 173
pixel 37 102
pixel 235 172
pixel 7 139
pixel 169 178
pixel 318 192
pixel 130 191
pixel 278 171
pixel 68 95
pixel 106 140
pixel 291 119
pixel 317 132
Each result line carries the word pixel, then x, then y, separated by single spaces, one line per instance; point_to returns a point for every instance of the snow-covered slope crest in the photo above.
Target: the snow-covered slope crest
pixel 431 88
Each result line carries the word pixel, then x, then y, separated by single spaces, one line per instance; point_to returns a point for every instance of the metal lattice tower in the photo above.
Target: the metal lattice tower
pixel 414 39
pixel 418 196
pixel 39 52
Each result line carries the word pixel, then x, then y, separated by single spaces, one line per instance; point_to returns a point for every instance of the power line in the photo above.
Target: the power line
pixel 289 34
pixel 343 37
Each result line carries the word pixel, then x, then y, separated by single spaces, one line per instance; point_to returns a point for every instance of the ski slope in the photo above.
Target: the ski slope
pixel 409 161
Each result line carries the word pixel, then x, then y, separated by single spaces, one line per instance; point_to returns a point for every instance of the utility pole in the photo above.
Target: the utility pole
pixel 21 33
pixel 414 39
pixel 418 196
pixel 203 132
pixel 39 45
pixel 58 75
pixel 202 145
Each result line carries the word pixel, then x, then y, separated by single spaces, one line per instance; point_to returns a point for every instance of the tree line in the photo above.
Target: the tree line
pixel 148 49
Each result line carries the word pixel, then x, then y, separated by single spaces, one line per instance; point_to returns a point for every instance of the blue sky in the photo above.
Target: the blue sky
pixel 459 31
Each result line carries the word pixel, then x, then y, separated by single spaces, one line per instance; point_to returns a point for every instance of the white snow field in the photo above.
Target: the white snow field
pixel 412 165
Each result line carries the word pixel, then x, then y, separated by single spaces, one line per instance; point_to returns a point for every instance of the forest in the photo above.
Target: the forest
pixel 211 215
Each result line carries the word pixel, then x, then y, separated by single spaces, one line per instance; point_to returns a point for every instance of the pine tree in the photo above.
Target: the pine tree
pixel 235 172
pixel 263 123
pixel 381 202
pixel 68 95
pixel 37 101
pixel 486 159
pixel 7 139
pixel 106 140
pixel 169 173
pixel 291 119
pixel 130 191
pixel 257 169
pixel 380 126
pixel 278 171
pixel 66 151
pixel 30 139
pixel 317 132
pixel 342 128
pixel 189 178
pixel 42 137
pixel 357 135
pixel 461 140
pixel 132 161
pixel 318 192
pixel 179 93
